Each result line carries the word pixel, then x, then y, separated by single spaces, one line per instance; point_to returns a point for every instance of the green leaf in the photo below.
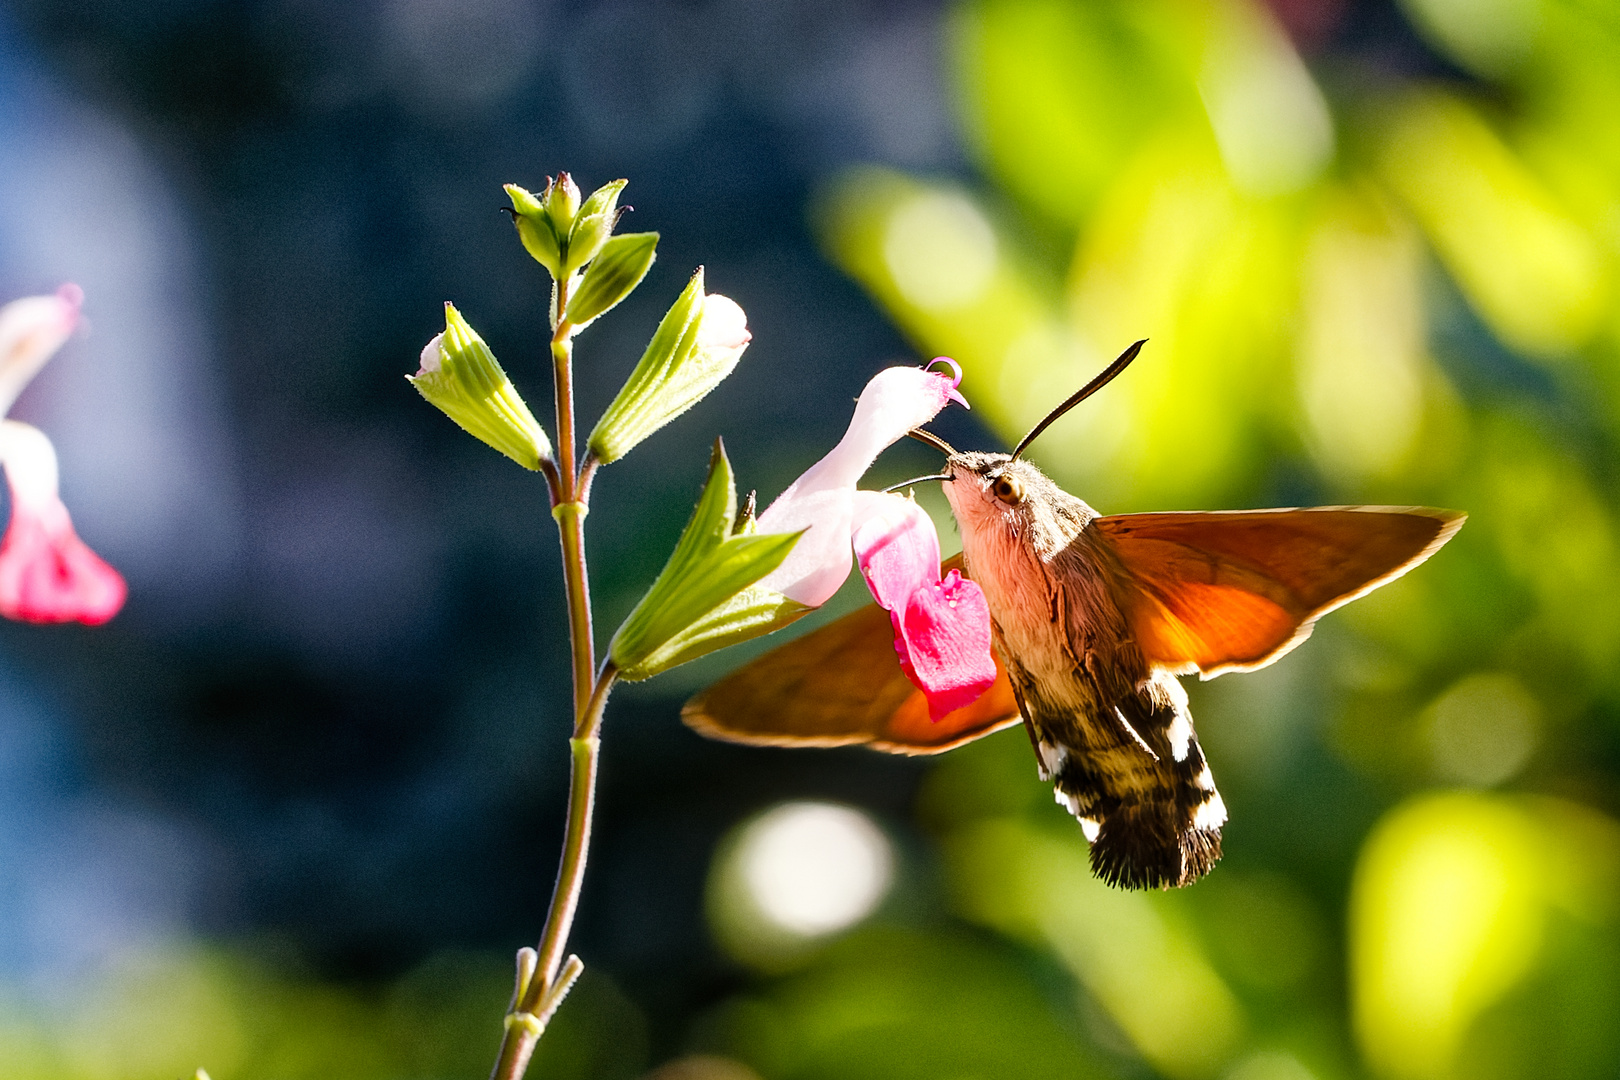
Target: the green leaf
pixel 693 607
pixel 751 613
pixel 461 377
pixel 711 518
pixel 615 272
pixel 688 600
pixel 675 372
pixel 604 200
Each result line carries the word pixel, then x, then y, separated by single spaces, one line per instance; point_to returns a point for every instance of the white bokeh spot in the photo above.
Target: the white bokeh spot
pixel 812 869
pixel 940 250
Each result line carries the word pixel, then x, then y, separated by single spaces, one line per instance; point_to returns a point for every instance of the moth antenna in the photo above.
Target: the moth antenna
pixel 933 440
pixel 1102 380
pixel 917 480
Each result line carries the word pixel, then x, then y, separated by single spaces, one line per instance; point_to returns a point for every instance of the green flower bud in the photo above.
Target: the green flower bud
pixel 562 202
pixel 612 275
pixel 695 347
pixel 707 596
pixel 595 223
pixel 534 228
pixel 461 377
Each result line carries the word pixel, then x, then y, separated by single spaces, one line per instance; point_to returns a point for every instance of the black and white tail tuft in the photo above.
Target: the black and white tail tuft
pixel 1146 800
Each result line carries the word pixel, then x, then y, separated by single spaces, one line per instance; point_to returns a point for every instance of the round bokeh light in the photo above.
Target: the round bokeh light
pixel 799 872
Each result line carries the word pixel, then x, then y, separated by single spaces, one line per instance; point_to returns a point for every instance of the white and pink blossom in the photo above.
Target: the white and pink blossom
pixel 47 574
pixel 941 626
pixel 823 500
pixel 31 330
pixel 723 329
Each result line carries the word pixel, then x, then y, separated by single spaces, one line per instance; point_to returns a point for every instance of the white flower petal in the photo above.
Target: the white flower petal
pixel 431 355
pixel 823 499
pixel 30 462
pixel 724 325
pixel 31 330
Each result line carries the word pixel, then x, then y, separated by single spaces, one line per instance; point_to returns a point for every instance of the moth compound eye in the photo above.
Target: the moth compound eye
pixel 1009 489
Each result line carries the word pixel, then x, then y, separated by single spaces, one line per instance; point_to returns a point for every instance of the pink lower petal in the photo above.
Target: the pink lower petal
pixel 944 642
pixel 897 549
pixel 900 649
pixel 47 574
pixel 941 628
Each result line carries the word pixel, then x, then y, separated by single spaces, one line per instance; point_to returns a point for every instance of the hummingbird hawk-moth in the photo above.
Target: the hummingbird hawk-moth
pixel 1093 617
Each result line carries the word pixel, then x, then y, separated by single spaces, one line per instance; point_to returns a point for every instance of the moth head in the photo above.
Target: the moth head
pixel 993 488
pixel 1003 489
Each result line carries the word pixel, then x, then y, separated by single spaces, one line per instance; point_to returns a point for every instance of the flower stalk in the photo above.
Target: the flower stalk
pixel 569 509
pixel 550 981
pixel 731 577
pixel 540 992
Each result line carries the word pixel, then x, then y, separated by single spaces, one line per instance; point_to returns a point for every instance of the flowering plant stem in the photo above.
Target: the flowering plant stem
pixel 543 976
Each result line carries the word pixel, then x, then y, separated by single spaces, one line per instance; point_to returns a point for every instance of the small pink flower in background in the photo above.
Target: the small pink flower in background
pixel 47 574
pixel 941 627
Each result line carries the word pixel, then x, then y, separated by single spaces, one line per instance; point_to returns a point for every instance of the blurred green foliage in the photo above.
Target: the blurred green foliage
pixel 1358 286
pixel 160 1014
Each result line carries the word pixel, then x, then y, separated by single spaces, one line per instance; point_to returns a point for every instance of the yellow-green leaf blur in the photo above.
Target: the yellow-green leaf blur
pixel 1356 289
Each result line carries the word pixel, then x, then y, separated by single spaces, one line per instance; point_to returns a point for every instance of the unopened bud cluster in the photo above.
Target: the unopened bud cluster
pixel 569 237
pixel 707 596
pixel 557 229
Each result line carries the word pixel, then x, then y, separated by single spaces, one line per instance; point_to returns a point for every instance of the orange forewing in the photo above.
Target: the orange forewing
pixel 842 685
pixel 1233 590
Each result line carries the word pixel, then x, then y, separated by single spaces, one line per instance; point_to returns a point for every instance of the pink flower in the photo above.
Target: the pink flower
pixel 941 628
pixel 47 574
pixel 823 499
